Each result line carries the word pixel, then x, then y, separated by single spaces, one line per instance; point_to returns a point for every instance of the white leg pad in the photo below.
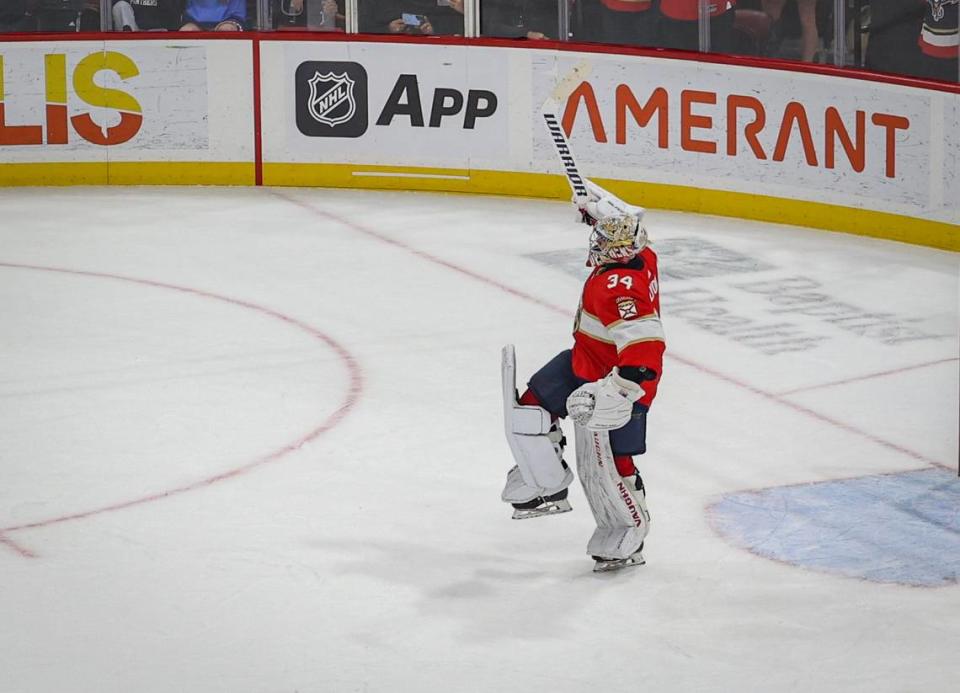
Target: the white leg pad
pixel 619 509
pixel 534 441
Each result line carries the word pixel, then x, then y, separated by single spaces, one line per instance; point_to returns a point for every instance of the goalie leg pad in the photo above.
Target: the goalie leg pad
pixel 535 441
pixel 618 503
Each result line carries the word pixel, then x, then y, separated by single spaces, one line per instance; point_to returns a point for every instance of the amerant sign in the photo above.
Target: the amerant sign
pixel 712 123
pixel 826 139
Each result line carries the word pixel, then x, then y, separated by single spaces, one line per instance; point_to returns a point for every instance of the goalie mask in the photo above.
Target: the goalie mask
pixel 616 239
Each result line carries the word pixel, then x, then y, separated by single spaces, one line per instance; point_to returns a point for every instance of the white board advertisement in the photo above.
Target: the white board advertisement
pixel 90 101
pixel 784 134
pixel 385 104
pixel 470 113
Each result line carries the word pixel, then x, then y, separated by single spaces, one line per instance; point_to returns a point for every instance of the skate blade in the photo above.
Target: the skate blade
pixel 618 564
pixel 547 508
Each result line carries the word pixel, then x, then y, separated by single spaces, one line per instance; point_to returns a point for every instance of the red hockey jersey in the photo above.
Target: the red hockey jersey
pixel 627 5
pixel 690 9
pixel 618 322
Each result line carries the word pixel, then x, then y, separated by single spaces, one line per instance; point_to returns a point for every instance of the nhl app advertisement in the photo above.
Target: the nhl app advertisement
pixel 395 104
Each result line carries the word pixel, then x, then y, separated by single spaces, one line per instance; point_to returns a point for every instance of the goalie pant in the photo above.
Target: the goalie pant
pixel 549 388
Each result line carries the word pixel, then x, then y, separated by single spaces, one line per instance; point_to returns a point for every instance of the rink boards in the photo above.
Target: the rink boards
pixel 878 158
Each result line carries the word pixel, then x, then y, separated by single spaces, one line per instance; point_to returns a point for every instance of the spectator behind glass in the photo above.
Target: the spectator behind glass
pixel 891 44
pixel 679 26
pixel 67 15
pixel 145 15
pixel 940 40
pixel 214 15
pixel 532 19
pixel 316 15
pixel 629 22
pixel 417 17
pixel 807 13
pixel 14 17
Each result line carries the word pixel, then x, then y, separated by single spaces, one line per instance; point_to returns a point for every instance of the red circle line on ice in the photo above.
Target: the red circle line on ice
pixel 350 399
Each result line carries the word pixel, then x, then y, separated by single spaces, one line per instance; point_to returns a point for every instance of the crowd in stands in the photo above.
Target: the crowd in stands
pixel 911 37
pixel 50 15
pixel 520 19
pixel 314 15
pixel 127 15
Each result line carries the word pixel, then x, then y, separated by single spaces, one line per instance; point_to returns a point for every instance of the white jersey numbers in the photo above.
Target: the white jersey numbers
pixel 654 288
pixel 614 279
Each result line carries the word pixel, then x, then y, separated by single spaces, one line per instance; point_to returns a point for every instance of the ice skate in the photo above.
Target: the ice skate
pixel 538 507
pixel 606 565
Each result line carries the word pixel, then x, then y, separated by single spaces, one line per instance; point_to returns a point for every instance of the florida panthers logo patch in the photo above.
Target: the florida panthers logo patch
pixel 627 307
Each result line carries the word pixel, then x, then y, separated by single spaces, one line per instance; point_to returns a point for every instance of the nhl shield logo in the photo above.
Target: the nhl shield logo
pixel 331 99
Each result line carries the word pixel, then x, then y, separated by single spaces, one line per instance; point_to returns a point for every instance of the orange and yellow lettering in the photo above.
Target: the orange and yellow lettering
pixel 55 74
pixel 123 131
pixel 891 124
pixel 95 95
pixel 689 121
pixel 586 93
pixel 795 113
pixel 834 128
pixel 642 114
pixel 16 134
pixel 751 130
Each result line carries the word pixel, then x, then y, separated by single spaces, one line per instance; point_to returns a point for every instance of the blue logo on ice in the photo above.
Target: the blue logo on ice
pixel 897 528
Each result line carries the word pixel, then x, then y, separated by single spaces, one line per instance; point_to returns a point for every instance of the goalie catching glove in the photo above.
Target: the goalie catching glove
pixel 604 405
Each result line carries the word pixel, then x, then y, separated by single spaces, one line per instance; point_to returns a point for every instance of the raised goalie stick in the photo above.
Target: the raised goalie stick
pixel 550 110
pixel 562 146
pixel 583 188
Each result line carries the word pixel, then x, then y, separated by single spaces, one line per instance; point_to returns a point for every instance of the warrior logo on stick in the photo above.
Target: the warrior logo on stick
pixel 566 157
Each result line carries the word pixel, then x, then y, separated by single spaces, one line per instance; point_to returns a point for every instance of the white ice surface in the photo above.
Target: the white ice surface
pixel 334 357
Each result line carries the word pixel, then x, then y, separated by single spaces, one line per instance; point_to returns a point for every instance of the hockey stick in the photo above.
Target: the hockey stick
pixel 581 187
pixel 549 111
